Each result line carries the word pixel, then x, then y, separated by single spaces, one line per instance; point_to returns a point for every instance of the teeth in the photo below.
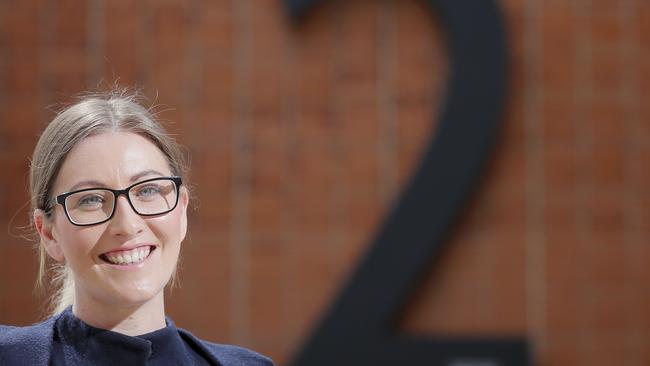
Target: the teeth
pixel 127 257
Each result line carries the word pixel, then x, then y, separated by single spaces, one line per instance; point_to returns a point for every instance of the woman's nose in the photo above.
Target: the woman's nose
pixel 125 221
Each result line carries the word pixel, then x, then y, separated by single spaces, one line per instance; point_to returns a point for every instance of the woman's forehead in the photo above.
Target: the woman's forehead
pixel 113 158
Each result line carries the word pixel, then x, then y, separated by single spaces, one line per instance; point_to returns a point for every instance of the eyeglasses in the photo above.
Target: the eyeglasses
pixel 92 206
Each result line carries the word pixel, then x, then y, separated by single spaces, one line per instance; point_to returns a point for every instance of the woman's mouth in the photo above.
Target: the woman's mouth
pixel 128 257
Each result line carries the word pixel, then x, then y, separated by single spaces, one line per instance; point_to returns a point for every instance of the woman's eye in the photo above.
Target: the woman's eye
pixel 148 191
pixel 91 200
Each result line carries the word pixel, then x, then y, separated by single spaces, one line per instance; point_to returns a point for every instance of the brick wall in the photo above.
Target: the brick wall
pixel 302 137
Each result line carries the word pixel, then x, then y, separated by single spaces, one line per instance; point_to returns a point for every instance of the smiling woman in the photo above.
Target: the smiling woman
pixel 110 208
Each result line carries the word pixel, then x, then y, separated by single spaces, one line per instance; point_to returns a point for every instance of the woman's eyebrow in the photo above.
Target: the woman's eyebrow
pixel 98 184
pixel 86 183
pixel 145 173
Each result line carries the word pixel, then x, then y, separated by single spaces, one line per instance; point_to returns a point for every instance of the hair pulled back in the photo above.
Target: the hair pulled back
pixel 93 114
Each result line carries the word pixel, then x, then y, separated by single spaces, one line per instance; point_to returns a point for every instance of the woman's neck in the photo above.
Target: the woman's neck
pixel 130 320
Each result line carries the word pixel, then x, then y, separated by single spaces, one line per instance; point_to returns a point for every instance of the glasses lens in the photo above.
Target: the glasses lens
pixel 154 197
pixel 89 207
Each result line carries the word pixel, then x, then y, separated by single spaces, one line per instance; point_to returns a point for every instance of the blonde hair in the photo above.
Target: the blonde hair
pixel 113 111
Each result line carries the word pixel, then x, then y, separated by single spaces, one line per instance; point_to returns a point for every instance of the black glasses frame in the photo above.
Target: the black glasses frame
pixel 60 199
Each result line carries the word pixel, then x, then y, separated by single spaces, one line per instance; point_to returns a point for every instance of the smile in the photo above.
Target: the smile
pixel 128 257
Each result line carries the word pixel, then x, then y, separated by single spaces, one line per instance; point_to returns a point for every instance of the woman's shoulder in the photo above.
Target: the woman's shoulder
pixel 228 354
pixel 14 335
pixel 28 345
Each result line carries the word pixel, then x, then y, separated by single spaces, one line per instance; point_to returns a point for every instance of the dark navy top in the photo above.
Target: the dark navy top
pixel 66 340
pixel 77 343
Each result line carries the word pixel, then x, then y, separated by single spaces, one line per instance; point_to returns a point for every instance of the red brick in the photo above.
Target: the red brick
pixel 606 265
pixel 559 121
pixel 608 219
pixel 601 8
pixel 559 55
pixel 642 21
pixel 606 70
pixel 268 292
pixel 215 28
pixel 19 70
pixel 608 169
pixel 359 172
pixel 69 22
pixel 20 124
pixel 607 28
pixel 562 355
pixel 266 214
pixel 564 312
pixel 205 278
pixel 120 43
pixel 560 172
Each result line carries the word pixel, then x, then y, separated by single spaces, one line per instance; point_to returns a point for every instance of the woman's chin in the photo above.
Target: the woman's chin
pixel 129 296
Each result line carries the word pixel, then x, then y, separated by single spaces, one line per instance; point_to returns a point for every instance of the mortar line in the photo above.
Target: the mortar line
pixel 585 188
pixel 536 293
pixel 241 173
pixel 633 237
pixel 96 35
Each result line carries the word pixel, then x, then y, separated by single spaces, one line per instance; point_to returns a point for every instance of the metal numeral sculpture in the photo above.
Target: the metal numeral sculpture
pixel 358 328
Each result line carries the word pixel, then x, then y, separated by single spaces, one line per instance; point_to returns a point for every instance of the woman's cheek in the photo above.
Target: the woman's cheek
pixel 81 241
pixel 167 230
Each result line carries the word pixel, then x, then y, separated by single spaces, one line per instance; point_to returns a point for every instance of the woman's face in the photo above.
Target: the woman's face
pixel 116 160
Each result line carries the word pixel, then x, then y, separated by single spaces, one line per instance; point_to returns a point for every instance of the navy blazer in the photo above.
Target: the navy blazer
pixel 32 345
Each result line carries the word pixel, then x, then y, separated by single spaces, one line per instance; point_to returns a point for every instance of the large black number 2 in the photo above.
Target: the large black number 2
pixel 357 328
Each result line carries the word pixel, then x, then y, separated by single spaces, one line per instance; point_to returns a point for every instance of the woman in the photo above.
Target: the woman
pixel 110 208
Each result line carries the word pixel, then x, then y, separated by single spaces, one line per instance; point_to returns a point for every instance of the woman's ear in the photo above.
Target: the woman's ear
pixel 48 240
